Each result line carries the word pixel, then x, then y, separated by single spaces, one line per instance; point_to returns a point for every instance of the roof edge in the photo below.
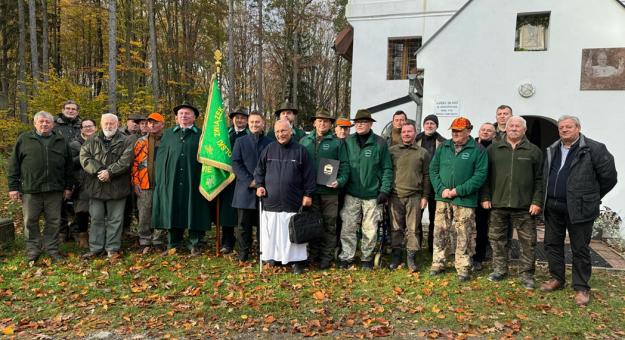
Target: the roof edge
pixel 444 25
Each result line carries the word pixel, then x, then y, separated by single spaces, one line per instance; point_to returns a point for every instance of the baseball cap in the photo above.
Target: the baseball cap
pixel 157 117
pixel 461 123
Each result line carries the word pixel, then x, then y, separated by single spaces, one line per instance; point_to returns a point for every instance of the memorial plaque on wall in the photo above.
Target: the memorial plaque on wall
pixel 603 69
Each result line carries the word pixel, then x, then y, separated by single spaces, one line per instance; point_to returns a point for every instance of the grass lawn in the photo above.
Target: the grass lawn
pixel 184 297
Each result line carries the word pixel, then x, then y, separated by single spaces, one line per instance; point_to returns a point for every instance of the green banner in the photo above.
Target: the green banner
pixel 215 150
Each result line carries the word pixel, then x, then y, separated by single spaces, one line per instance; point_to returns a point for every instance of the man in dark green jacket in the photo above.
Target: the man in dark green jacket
pixel 107 158
pixel 288 112
pixel 457 171
pixel 411 190
pixel 366 191
pixel 514 192
pixel 42 170
pixel 321 143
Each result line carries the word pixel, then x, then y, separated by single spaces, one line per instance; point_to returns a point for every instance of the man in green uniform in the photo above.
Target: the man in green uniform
pixel 228 216
pixel 288 112
pixel 514 192
pixel 178 204
pixel 367 189
pixel 321 143
pixel 457 171
pixel 503 113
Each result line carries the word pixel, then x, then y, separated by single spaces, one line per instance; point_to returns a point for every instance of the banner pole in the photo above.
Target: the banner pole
pixel 218 227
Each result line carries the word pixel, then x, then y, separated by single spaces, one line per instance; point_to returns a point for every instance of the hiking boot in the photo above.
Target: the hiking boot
pixel 112 253
pixel 367 266
pixel 398 257
pixel 411 259
pixel 83 241
pixel 143 249
pixel 477 266
pixel 159 248
pixel 91 254
pixel 56 256
pixel 298 268
pixel 463 278
pixel 32 258
pixel 552 286
pixel 344 265
pixel 434 272
pixel 528 282
pixel 272 263
pixel 495 277
pixel 226 250
pixel 195 252
pixel 325 265
pixel 242 256
pixel 582 297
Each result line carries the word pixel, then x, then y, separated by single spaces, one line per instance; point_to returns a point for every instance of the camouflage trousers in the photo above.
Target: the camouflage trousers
pixel 371 215
pixel 146 235
pixel 463 219
pixel 503 219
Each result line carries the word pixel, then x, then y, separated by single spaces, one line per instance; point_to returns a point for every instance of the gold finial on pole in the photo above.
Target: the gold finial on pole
pixel 218 60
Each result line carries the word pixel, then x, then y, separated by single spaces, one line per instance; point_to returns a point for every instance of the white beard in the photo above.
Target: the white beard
pixel 109 134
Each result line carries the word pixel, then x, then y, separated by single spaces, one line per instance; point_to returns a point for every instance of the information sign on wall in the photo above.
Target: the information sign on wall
pixel 447 108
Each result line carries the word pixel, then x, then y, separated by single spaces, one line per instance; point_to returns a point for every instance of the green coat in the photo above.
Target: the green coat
pixel 81 200
pixel 515 177
pixel 466 172
pixel 178 203
pixel 411 171
pixel 68 128
pixel 228 216
pixel 117 160
pixel 332 148
pixel 371 169
pixel 296 137
pixel 35 168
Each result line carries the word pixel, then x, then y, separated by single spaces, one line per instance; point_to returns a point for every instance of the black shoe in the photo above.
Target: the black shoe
pixel 298 269
pixel 367 266
pixel 494 276
pixel 31 258
pixel 398 257
pixel 56 256
pixel 91 254
pixel 325 265
pixel 477 266
pixel 463 278
pixel 242 256
pixel 226 250
pixel 435 272
pixel 159 248
pixel 411 259
pixel 142 249
pixel 343 265
pixel 195 252
pixel 528 282
pixel 272 263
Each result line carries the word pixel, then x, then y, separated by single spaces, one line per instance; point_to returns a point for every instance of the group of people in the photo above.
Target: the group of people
pixel 478 189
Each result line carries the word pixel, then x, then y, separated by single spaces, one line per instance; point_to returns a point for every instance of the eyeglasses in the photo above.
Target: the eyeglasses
pixel 88 127
pixel 70 109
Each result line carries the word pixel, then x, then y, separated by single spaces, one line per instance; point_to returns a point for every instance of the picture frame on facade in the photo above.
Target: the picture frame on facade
pixel 603 69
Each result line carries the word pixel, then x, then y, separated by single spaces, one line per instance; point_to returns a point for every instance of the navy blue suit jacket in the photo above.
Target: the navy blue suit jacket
pixel 245 154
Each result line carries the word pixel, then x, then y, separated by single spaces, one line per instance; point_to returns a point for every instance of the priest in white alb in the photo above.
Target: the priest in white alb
pixel 285 180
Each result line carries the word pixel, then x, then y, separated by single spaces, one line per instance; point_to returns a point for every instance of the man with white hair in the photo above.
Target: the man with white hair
pixel 107 158
pixel 41 169
pixel 514 192
pixel 578 173
pixel 285 179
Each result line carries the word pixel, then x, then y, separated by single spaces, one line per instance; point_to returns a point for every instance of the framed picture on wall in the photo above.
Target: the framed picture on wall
pixel 603 69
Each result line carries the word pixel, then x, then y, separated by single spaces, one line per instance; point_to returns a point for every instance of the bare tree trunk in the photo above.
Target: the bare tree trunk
pixel 260 58
pixel 337 81
pixel 295 46
pixel 100 57
pixel 34 54
pixel 231 55
pixel 129 73
pixel 45 61
pixel 22 60
pixel 54 36
pixel 112 88
pixel 4 65
pixel 153 59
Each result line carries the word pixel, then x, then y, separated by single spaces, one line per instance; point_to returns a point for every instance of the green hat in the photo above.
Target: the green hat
pixel 363 115
pixel 240 110
pixel 286 106
pixel 136 117
pixel 323 114
pixel 187 105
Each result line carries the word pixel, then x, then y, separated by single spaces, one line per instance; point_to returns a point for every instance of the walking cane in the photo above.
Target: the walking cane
pixel 260 235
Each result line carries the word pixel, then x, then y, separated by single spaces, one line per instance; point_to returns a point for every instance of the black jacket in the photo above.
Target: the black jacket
pixel 287 172
pixel 245 154
pixel 432 145
pixel 593 174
